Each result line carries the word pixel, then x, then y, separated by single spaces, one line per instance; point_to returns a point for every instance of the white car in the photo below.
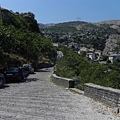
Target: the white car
pixel 29 68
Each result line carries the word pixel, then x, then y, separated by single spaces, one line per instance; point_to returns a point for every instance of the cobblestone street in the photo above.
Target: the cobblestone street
pixel 39 99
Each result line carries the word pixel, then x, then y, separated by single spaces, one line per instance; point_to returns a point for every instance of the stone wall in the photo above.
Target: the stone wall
pixel 65 82
pixel 106 95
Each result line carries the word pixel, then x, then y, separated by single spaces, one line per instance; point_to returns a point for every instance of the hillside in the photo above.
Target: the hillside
pixel 68 27
pixel 45 25
pixel 21 40
pixel 115 22
pixel 95 34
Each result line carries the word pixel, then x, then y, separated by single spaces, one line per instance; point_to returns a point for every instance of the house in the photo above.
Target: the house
pixel 59 54
pixel 91 56
pixel 98 54
pixel 114 57
pixel 83 51
pixel 73 45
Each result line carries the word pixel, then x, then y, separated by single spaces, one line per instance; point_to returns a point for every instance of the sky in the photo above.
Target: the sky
pixel 58 11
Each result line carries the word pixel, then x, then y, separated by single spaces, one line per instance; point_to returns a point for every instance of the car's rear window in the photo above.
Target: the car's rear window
pixel 13 69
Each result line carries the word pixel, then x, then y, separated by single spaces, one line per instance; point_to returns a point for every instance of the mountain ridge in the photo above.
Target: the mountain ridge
pixel 41 25
pixel 109 22
pixel 96 34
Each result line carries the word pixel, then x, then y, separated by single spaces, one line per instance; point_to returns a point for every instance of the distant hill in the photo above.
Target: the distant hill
pixel 68 26
pixel 95 34
pixel 79 25
pixel 115 22
pixel 45 25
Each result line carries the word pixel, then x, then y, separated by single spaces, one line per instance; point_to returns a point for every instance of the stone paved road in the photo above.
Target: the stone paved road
pixel 39 99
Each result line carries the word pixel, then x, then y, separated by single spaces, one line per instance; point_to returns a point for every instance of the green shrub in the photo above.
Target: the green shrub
pixel 74 65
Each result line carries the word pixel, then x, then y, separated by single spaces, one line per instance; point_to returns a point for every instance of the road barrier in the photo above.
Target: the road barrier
pixel 65 82
pixel 106 95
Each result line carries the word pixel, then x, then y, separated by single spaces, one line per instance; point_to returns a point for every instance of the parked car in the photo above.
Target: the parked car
pixel 25 72
pixel 13 74
pixel 2 80
pixel 29 68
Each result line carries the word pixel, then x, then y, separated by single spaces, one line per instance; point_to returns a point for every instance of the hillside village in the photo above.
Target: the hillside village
pixel 94 41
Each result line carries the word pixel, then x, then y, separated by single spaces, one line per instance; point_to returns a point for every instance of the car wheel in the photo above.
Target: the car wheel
pixel 1 83
pixel 20 79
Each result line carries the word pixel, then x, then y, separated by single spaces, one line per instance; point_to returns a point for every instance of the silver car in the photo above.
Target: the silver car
pixel 29 68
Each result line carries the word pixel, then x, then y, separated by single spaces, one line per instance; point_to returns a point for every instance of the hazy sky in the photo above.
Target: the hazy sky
pixel 56 11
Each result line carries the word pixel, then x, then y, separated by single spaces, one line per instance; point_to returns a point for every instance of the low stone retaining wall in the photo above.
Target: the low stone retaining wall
pixel 68 83
pixel 107 95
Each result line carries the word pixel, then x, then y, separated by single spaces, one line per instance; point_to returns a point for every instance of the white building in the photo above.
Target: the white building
pixel 91 56
pixel 114 57
pixel 59 54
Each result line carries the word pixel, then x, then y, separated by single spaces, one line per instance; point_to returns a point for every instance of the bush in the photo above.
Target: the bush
pixel 74 65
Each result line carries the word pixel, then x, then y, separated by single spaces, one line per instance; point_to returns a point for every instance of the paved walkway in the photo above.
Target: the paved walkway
pixel 39 99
